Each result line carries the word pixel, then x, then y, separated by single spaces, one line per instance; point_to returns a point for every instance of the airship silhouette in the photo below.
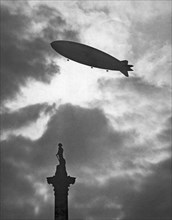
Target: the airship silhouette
pixel 90 56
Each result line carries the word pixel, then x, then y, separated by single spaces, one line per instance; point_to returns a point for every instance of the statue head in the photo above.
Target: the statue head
pixel 60 145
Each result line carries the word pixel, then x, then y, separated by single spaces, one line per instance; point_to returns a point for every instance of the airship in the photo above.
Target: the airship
pixel 90 56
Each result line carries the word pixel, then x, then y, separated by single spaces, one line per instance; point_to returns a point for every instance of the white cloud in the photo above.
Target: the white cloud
pixel 155 66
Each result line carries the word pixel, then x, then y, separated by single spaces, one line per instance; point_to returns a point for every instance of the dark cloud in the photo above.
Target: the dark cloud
pixel 100 202
pixel 19 197
pixel 57 27
pixel 119 197
pixel 43 12
pixel 24 116
pixel 16 190
pixel 164 136
pixel 146 35
pixel 154 200
pixel 24 51
pixel 84 132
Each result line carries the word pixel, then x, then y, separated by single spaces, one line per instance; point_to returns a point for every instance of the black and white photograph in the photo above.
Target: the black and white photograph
pixel 85 110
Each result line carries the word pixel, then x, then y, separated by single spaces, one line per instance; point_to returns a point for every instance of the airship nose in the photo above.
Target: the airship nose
pixel 53 44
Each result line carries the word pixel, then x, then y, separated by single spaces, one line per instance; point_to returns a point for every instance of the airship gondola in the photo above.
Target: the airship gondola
pixel 90 56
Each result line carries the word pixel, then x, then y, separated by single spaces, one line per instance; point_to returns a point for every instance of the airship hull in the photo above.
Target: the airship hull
pixel 88 55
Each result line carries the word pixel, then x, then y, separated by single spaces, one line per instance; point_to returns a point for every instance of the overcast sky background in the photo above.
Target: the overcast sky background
pixel 116 131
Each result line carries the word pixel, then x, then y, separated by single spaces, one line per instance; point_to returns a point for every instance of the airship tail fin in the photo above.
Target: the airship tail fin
pixel 125 62
pixel 125 68
pixel 125 72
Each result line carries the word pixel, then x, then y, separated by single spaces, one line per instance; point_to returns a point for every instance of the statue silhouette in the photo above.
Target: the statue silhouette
pixel 61 168
pixel 60 151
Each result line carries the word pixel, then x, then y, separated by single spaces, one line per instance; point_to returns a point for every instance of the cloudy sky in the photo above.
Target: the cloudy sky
pixel 116 131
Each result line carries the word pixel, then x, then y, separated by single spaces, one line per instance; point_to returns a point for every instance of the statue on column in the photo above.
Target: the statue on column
pixel 61 182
